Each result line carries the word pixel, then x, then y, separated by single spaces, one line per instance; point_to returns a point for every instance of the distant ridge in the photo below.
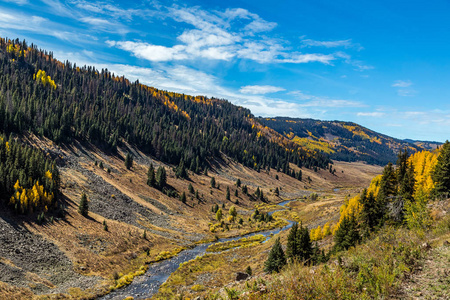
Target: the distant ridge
pixel 346 141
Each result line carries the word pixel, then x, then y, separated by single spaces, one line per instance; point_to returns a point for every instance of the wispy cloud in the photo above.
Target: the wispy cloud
pixel 260 89
pixel 223 36
pixel 320 101
pixel 375 114
pixel 402 83
pixel 404 88
pixel 19 2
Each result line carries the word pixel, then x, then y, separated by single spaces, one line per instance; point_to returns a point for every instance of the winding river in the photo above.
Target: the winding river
pixel 147 285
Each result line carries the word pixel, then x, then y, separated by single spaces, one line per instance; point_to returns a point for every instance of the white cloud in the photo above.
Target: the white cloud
pixel 319 101
pixel 19 2
pixel 221 36
pixel 375 114
pixel 260 89
pixel 327 44
pixel 404 88
pixel 402 83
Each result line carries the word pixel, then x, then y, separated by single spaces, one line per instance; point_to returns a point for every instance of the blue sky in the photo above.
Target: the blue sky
pixel 382 64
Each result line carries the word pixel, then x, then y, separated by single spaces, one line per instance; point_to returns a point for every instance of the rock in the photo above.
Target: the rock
pixel 426 246
pixel 241 276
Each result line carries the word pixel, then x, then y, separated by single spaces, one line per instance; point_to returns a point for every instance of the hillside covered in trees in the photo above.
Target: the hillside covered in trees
pixel 345 141
pixel 62 102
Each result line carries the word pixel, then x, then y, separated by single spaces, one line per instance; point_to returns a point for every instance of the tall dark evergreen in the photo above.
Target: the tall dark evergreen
pixel 276 260
pixel 151 177
pixel 128 161
pixel 347 235
pixel 161 177
pixel 441 173
pixel 83 207
pixel 291 247
pixel 371 213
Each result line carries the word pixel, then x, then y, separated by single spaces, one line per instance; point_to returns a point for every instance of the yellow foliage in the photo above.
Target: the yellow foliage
pixel 42 77
pixel 424 163
pixel 48 174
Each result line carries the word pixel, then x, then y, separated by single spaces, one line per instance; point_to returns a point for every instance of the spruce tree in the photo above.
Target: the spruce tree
pixel 238 182
pixel 228 194
pixel 161 177
pixel 151 178
pixel 277 192
pixel 83 207
pixel 276 260
pixel 291 248
pixel 441 173
pixel 128 161
pixel 213 182
pixel 183 197
pixel 191 189
pixel 347 234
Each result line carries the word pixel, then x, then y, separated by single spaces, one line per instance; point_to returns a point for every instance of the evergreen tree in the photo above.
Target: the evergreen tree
pixel 291 248
pixel 128 161
pixel 304 245
pixel 213 182
pixel 276 260
pixel 161 177
pixel 249 271
pixel 181 172
pixel 151 178
pixel 238 182
pixel 228 194
pixel 236 194
pixel 105 226
pixel 370 215
pixel 196 195
pixel 83 207
pixel 408 183
pixel 244 190
pixel 347 234
pixel 190 188
pixel 277 192
pixel 183 197
pixel 441 172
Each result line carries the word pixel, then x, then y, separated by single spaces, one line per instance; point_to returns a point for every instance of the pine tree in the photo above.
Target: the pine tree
pixel 213 182
pixel 249 271
pixel 183 197
pixel 276 260
pixel 105 226
pixel 277 192
pixel 161 177
pixel 238 182
pixel 291 248
pixel 83 207
pixel 196 195
pixel 128 161
pixel 228 194
pixel 181 170
pixel 191 189
pixel 236 194
pixel 151 180
pixel 347 234
pixel 441 173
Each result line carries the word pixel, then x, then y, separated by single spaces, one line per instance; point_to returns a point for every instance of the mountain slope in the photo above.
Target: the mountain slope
pixel 345 141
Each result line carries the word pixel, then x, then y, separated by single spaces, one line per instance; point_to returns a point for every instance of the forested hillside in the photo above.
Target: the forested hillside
pixel 63 102
pixel 343 141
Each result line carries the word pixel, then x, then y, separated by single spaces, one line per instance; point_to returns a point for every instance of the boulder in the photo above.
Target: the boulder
pixel 241 276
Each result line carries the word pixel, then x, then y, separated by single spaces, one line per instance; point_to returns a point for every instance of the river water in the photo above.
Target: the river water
pixel 147 285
